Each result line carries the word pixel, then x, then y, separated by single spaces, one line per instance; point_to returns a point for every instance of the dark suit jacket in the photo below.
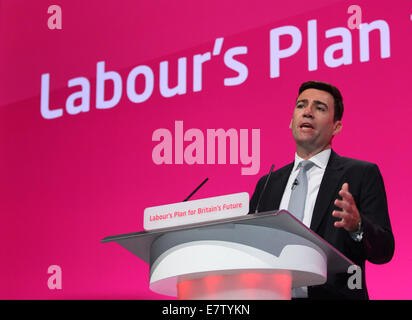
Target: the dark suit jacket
pixel 366 186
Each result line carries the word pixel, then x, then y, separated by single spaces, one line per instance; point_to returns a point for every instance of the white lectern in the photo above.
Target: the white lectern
pixel 257 256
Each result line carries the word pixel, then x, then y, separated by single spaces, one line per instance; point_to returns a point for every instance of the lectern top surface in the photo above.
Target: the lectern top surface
pixel 139 243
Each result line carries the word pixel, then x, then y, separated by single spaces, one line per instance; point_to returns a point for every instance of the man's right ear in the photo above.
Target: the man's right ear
pixel 290 124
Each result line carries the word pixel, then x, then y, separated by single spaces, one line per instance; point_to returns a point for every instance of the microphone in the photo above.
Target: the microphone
pixel 204 181
pixel 264 187
pixel 295 183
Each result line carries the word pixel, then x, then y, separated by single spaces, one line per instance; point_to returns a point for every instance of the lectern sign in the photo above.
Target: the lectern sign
pixel 196 211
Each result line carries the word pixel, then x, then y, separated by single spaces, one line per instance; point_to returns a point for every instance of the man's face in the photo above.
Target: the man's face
pixel 312 123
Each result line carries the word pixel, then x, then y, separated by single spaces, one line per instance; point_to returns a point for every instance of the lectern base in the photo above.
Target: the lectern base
pixel 242 286
pixel 244 262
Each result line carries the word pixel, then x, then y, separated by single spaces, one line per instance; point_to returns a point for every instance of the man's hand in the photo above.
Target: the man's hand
pixel 350 215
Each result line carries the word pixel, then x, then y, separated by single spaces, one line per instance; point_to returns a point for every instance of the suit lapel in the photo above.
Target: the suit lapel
pixel 328 189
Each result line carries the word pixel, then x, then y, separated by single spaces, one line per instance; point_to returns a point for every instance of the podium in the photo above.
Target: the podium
pixel 256 256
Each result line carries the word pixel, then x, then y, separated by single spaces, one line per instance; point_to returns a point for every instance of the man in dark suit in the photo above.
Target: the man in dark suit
pixel 345 200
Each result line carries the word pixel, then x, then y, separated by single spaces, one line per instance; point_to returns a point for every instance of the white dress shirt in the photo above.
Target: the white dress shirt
pixel 314 175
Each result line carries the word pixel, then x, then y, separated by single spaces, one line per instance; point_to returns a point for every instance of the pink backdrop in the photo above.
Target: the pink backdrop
pixel 67 182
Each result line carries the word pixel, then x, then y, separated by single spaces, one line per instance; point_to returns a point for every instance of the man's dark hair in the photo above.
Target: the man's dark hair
pixel 324 86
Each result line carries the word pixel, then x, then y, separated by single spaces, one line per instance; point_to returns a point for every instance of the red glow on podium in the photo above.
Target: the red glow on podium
pixel 250 285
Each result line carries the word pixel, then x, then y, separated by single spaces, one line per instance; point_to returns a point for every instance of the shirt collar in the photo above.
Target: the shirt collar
pixel 320 160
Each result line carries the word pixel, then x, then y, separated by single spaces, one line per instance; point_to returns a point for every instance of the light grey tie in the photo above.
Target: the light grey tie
pixel 299 190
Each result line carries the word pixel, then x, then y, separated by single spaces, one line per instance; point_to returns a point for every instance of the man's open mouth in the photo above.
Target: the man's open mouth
pixel 306 125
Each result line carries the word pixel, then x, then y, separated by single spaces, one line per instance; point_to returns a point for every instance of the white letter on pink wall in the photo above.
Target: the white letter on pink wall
pixel 276 53
pixel 44 99
pixel 101 77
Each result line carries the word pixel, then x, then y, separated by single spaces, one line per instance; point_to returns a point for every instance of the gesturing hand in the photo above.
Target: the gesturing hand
pixel 349 215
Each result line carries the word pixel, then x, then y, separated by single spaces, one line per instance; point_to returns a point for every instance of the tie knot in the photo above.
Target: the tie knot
pixel 306 164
